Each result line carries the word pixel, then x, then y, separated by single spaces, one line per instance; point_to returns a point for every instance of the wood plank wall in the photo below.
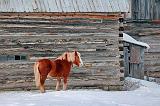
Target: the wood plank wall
pixel 95 39
pixel 145 9
pixel 148 33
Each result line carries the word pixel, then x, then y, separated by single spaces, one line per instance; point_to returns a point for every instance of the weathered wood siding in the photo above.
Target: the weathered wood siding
pixel 134 60
pixel 145 9
pixel 148 33
pixel 96 40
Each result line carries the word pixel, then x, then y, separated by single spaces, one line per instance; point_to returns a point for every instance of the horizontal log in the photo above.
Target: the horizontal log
pixel 62 15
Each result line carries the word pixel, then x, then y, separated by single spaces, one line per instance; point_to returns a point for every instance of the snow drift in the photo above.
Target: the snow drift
pixel 148 94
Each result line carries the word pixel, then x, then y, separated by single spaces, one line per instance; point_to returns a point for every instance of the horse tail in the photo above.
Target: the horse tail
pixel 37 74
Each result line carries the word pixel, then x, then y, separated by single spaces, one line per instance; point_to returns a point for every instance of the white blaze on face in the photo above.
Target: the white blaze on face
pixel 81 62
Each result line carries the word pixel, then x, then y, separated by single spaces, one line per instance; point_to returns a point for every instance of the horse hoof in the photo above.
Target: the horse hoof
pixel 43 91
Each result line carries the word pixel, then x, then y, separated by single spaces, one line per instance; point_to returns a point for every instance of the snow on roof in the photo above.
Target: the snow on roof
pixel 129 39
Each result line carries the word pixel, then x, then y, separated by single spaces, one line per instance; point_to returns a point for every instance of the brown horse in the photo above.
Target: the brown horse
pixel 59 68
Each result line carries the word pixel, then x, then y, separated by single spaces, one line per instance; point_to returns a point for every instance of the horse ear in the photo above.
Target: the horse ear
pixel 75 52
pixel 66 57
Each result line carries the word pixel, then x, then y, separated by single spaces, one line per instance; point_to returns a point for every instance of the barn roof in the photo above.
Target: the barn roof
pixel 64 6
pixel 129 39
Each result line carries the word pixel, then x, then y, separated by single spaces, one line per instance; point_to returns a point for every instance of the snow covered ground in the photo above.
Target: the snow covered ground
pixel 147 95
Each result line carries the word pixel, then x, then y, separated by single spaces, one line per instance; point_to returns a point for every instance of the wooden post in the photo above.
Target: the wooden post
pixel 121 49
pixel 142 63
pixel 126 59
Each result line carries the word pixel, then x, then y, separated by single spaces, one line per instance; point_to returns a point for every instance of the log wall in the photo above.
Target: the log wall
pixel 95 39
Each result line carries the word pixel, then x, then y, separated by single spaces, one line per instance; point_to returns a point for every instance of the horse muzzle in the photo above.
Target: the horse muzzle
pixel 81 64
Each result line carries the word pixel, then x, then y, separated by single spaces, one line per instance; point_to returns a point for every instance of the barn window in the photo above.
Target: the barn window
pixel 9 57
pixel 23 58
pixel 17 57
pixel 12 57
pixel 3 58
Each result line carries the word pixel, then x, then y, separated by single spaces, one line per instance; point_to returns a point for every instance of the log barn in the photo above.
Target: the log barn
pixel 34 29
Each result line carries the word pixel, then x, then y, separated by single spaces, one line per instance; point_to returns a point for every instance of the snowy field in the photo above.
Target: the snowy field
pixel 147 95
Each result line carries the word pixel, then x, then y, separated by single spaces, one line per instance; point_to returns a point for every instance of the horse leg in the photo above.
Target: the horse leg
pixel 65 83
pixel 58 84
pixel 42 87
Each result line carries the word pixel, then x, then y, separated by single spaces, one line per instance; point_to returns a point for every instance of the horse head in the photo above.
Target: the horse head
pixel 77 59
pixel 74 57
